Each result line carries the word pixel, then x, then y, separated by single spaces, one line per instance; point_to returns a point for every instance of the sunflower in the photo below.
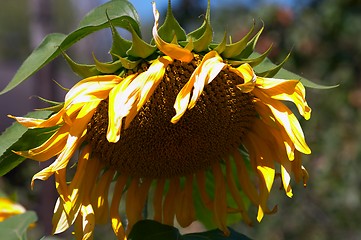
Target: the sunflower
pixel 187 114
pixel 9 208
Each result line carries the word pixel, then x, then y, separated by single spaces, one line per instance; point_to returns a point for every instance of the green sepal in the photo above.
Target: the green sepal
pixel 249 49
pixel 120 46
pixel 121 13
pixel 234 49
pixel 139 48
pixel 129 64
pixel 171 27
pixel 222 45
pixel 17 137
pixel 273 71
pixel 202 36
pixel 82 70
pixel 109 68
pixel 253 60
pixel 55 106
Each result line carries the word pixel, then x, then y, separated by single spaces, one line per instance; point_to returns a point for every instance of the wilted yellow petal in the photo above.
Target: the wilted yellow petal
pixel 246 72
pixel 286 119
pixel 202 75
pixel 121 100
pixel 50 148
pixel 290 90
pixel 170 49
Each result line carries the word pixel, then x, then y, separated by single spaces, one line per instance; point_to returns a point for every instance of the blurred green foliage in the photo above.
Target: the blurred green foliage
pixel 324 37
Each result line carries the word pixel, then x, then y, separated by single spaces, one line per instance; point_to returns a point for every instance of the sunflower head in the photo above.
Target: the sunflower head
pixel 183 117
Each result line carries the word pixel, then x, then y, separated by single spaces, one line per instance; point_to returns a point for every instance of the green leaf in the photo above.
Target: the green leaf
pixel 215 235
pixel 18 137
pixel 15 227
pixel 121 14
pixel 152 230
pixel 285 74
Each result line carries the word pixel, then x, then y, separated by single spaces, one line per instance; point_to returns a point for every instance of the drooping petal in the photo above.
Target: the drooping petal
pixel 290 90
pixel 100 197
pixel 246 72
pixel 236 193
pixel 158 200
pixel 114 208
pixel 75 138
pixel 169 201
pixel 209 71
pixel 185 211
pixel 135 201
pixel 264 164
pixel 170 49
pixel 91 89
pixel 121 100
pixel 244 179
pixel 52 147
pixel 202 75
pixel 286 119
pixel 31 123
pixel 220 201
pixel 151 78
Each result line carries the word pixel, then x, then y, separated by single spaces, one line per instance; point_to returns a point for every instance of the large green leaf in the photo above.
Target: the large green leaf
pixel 152 230
pixel 17 137
pixel 267 64
pixel 14 228
pixel 121 14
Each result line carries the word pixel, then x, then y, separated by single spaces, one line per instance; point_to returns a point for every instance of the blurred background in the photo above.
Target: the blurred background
pixel 324 37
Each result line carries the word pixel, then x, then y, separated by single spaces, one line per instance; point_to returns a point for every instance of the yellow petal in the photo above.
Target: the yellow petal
pixel 246 72
pixel 114 208
pixel 290 90
pixel 286 119
pixel 185 211
pixel 244 179
pixel 220 201
pixel 9 208
pixel 205 71
pixel 88 221
pixel 136 197
pixel 91 89
pixel 169 201
pixel 54 120
pixel 51 147
pixel 237 197
pixel 151 78
pixel 172 50
pixel 158 200
pixel 121 100
pixel 100 197
pixel 211 68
